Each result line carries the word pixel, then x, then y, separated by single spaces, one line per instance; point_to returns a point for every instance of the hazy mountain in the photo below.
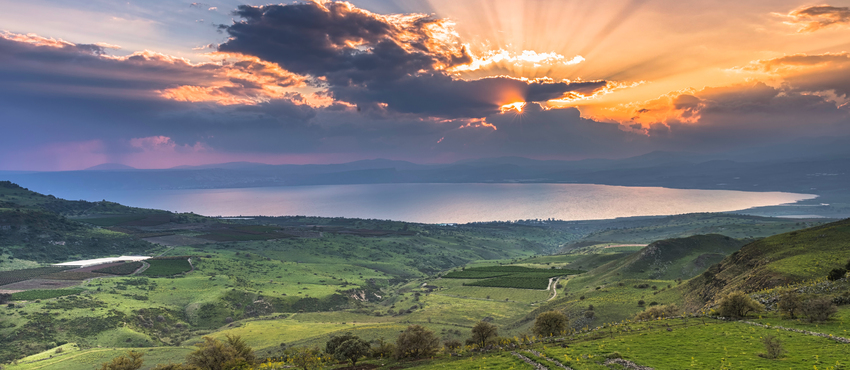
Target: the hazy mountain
pixel 110 167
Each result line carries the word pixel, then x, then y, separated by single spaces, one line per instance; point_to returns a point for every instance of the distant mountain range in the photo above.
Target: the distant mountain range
pixel 806 165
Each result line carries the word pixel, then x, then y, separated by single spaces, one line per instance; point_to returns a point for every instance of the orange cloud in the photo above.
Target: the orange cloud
pixel 813 18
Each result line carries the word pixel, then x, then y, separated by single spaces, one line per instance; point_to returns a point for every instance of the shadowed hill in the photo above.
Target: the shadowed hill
pixel 670 259
pixel 777 260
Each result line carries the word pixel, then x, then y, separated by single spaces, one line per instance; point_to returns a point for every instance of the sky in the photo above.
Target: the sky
pixel 158 84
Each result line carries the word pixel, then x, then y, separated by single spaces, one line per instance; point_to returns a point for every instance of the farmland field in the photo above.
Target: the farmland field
pixel 167 267
pixel 43 294
pixel 9 277
pixel 120 269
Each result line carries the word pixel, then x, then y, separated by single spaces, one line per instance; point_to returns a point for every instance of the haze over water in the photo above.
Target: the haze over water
pixel 447 203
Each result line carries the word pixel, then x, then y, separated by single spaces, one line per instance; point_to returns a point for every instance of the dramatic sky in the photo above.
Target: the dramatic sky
pixel 161 83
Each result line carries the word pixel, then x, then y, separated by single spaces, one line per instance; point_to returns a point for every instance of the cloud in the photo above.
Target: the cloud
pixel 813 18
pixel 58 67
pixel 810 73
pixel 400 61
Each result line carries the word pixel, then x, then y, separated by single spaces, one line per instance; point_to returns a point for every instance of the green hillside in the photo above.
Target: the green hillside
pixel 778 260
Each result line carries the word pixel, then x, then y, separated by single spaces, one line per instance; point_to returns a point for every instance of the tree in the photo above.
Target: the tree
pixel 5 297
pixel 738 304
pixel 550 323
pixel 347 347
pixel 131 361
pixel 215 355
pixel 482 332
pixel 789 304
pixel 352 350
pixel 416 342
pixel 818 309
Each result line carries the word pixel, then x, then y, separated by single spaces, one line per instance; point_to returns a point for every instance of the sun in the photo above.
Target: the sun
pixel 518 106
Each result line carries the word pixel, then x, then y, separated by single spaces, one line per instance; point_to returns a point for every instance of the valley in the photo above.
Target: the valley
pixel 286 283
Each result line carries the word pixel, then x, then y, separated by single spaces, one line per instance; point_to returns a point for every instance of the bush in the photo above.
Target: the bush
pixel 836 274
pixel 215 355
pixel 416 342
pixel 818 309
pixel 383 349
pixel 482 332
pixel 658 311
pixel 305 358
pixel 641 303
pixel 131 361
pixel 589 314
pixel 738 305
pixel 452 345
pixel 789 304
pixel 772 347
pixel 550 323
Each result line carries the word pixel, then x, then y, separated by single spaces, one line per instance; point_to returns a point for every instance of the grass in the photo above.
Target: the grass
pixel 92 358
pixel 167 267
pixel 495 361
pixel 519 277
pixel 692 344
pixel 31 295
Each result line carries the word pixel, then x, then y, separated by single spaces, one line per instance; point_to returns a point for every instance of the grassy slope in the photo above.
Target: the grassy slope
pixel 774 261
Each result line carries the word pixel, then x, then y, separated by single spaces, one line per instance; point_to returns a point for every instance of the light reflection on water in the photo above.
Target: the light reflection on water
pixel 437 203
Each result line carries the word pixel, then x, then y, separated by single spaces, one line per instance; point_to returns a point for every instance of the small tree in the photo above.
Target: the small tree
pixel 452 345
pixel 772 347
pixel 818 309
pixel 789 304
pixel 5 297
pixel 131 361
pixel 383 349
pixel 215 355
pixel 738 305
pixel 416 342
pixel 336 340
pixel 305 358
pixel 482 332
pixel 352 350
pixel 550 323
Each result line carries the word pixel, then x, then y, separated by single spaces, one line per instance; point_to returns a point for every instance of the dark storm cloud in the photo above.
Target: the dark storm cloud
pixel 369 59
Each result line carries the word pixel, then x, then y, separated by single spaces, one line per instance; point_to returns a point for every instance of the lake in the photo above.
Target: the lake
pixel 446 203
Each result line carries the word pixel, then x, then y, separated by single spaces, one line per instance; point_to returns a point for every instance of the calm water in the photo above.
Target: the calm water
pixel 438 203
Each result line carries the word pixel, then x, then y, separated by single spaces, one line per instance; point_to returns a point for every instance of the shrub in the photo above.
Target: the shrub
pixel 738 305
pixel 772 347
pixel 789 304
pixel 452 345
pixel 818 309
pixel 589 314
pixel 641 303
pixel 305 358
pixel 215 355
pixel 550 323
pixel 658 311
pixel 382 349
pixel 131 361
pixel 416 342
pixel 836 274
pixel 482 332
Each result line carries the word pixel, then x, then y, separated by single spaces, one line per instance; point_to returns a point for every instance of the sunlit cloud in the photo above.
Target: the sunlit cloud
pixel 524 59
pixel 813 18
